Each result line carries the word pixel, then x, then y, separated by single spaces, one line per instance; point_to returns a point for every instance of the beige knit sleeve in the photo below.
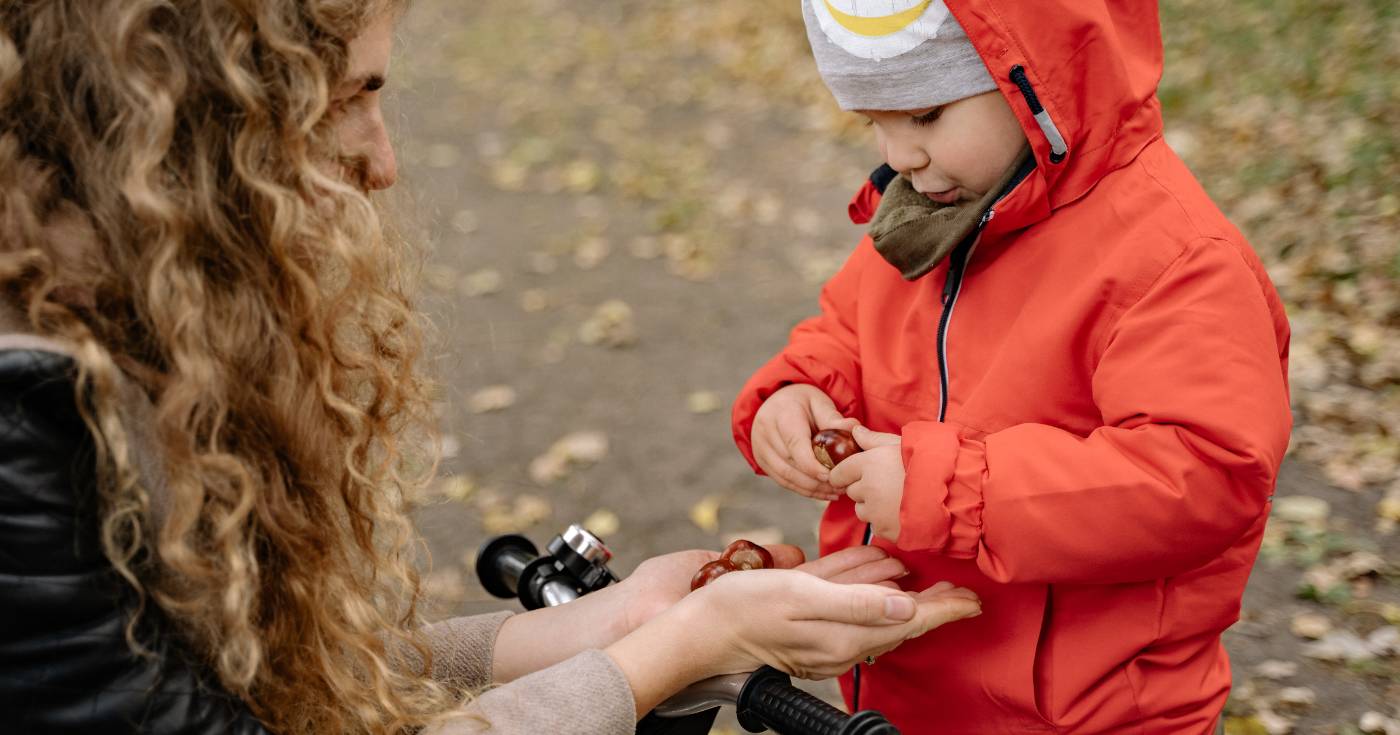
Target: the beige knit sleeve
pixel 586 695
pixel 463 649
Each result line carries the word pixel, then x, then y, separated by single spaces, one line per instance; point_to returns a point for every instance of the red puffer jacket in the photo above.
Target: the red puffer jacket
pixel 1093 401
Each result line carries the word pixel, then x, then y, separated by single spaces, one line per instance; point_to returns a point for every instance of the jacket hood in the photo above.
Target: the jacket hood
pixel 1081 76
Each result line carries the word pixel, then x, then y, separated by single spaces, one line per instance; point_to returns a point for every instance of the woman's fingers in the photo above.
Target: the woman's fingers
pixel 786 556
pixel 857 604
pixel 875 572
pixel 842 561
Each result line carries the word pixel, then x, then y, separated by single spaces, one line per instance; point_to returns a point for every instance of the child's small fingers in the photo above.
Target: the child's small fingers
pixel 801 455
pixel 793 479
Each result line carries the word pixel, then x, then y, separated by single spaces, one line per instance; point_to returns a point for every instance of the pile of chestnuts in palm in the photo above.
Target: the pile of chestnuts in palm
pixel 742 555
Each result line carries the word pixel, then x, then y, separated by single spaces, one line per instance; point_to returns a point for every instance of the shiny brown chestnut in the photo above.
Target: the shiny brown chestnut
pixel 832 446
pixel 711 572
pixel 746 555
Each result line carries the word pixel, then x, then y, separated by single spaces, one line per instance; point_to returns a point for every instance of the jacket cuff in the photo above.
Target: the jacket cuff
pixel 783 370
pixel 941 510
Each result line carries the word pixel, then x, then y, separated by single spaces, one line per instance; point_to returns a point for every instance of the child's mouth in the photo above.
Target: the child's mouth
pixel 943 197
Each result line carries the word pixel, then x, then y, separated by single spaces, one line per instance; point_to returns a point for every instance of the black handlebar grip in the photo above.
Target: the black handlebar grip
pixel 769 699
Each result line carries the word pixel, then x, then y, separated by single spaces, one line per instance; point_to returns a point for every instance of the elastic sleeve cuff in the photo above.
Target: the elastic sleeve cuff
pixel 941 510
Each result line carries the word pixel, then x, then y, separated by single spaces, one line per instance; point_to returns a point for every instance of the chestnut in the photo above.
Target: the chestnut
pixel 832 446
pixel 744 554
pixel 710 572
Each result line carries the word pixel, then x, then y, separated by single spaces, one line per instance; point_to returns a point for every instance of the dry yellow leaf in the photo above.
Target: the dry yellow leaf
pixel 491 398
pixel 457 487
pixel 705 514
pixel 602 523
pixel 703 401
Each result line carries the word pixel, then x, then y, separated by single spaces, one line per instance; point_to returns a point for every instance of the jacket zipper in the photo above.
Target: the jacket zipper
pixel 957 268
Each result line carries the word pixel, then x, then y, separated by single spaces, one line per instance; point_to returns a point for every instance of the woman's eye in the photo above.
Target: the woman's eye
pixel 928 117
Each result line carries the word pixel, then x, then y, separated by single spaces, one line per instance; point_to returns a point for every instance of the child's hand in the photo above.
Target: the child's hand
pixel 782 438
pixel 874 479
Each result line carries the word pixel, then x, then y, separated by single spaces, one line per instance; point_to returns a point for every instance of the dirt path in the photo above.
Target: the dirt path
pixel 563 160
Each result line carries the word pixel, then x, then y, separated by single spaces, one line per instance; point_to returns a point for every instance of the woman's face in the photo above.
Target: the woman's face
pixel 368 156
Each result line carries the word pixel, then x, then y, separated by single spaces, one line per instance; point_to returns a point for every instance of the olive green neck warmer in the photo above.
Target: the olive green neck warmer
pixel 915 233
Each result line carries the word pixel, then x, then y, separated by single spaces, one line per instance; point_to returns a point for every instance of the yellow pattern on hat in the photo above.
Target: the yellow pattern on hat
pixel 877 25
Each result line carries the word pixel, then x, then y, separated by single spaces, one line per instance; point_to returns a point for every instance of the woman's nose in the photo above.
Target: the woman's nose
pixel 383 169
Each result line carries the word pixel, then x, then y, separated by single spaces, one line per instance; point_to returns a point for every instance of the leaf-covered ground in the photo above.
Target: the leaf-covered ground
pixel 629 204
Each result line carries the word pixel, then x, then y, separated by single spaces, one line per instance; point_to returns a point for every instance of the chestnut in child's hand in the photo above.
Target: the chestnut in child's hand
pixel 711 571
pixel 832 446
pixel 746 555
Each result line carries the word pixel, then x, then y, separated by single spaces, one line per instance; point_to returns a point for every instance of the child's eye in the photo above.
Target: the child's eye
pixel 928 117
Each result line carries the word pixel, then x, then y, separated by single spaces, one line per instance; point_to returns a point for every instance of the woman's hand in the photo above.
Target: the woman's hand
pixel 662 581
pixel 799 623
pixel 782 438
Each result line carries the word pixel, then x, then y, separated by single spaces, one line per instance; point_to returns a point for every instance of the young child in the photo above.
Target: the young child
pixel 1066 368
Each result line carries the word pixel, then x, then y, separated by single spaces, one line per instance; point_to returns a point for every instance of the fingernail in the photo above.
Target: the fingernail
pixel 899 608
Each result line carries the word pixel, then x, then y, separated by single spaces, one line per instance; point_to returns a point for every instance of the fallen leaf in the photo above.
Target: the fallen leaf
pixel 602 523
pixel 1302 509
pixel 534 300
pixel 705 514
pixel 1375 722
pixel 1244 726
pixel 1275 669
pixel 704 401
pixel 440 277
pixel 1297 698
pixel 1339 645
pixel 581 448
pixel 1384 641
pixel 1310 625
pixel 591 252
pixel 457 487
pixel 582 176
pixel 481 283
pixel 611 325
pixel 548 468
pixel 491 398
pixel 584 447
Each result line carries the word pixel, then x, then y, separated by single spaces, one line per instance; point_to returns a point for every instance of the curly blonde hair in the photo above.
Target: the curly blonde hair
pixel 166 209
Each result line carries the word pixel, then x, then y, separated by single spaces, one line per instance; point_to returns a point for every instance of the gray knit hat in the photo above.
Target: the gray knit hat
pixel 893 54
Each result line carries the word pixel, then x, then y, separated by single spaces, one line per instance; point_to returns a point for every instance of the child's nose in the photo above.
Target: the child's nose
pixel 904 155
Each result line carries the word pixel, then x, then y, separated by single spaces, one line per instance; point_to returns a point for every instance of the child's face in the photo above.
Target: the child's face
pixel 951 153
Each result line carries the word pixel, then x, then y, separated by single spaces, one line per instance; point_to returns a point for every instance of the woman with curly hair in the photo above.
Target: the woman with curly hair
pixel 211 404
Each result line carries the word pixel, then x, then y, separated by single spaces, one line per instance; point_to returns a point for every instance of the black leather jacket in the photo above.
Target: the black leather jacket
pixel 65 665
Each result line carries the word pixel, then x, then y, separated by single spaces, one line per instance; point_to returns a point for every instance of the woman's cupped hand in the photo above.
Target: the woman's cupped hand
pixel 662 581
